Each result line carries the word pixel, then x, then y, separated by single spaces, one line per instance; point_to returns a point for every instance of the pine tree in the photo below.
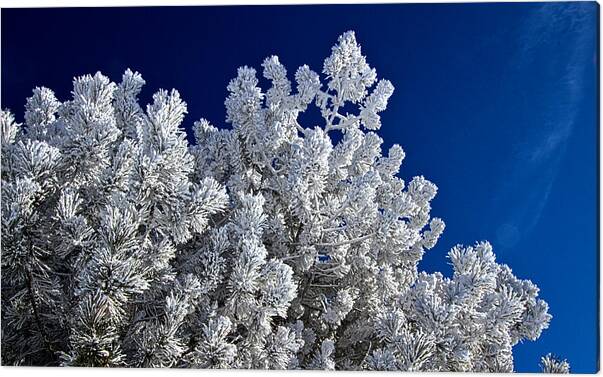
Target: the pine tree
pixel 266 244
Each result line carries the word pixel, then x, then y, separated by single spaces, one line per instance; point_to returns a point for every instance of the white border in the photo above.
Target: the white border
pixel 136 372
pixel 129 3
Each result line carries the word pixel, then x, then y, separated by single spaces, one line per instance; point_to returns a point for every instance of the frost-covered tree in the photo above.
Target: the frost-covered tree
pixel 267 244
pixel 553 364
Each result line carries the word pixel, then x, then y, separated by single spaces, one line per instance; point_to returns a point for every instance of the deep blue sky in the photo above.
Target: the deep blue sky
pixel 495 103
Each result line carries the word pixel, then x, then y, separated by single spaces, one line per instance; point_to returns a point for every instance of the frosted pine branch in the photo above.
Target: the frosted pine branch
pixel 268 243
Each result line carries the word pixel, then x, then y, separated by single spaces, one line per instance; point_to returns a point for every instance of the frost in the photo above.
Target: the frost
pixel 267 244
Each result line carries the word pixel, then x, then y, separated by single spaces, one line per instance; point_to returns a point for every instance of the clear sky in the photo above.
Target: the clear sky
pixel 495 103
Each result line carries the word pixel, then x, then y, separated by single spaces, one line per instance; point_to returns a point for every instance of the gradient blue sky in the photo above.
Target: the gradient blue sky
pixel 495 103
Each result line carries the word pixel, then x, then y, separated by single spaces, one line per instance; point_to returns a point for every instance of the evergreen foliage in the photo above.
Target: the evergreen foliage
pixel 268 244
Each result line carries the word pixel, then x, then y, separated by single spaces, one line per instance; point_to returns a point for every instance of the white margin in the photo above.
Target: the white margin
pixel 139 372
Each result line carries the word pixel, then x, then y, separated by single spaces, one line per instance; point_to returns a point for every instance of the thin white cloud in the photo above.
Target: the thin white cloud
pixel 542 152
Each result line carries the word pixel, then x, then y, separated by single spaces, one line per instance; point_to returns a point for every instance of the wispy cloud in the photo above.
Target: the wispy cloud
pixel 543 149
